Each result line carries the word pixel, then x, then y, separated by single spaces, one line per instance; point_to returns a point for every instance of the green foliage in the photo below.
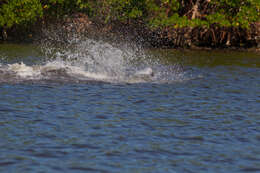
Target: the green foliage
pixel 165 13
pixel 228 13
pixel 218 18
pixel 59 8
pixel 156 13
pixel 121 10
pixel 236 13
pixel 22 12
pixel 19 12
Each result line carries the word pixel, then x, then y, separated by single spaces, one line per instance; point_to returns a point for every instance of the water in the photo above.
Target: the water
pixel 114 109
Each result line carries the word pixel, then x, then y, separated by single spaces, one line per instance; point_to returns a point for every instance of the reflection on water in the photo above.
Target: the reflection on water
pixel 203 124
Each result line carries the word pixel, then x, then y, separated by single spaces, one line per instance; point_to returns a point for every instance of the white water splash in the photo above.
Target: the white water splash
pixel 90 60
pixel 23 70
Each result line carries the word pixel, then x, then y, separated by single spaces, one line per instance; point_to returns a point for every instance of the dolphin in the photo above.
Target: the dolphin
pixel 144 75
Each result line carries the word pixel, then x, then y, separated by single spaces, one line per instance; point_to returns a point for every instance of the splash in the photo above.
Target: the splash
pixel 91 60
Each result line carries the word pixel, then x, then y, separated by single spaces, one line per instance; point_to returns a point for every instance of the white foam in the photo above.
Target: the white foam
pixel 147 71
pixel 96 60
pixel 23 70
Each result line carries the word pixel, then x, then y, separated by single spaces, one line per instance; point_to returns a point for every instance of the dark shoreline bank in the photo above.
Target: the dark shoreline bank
pixel 182 38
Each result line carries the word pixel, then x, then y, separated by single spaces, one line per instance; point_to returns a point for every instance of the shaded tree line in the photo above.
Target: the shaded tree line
pixel 173 22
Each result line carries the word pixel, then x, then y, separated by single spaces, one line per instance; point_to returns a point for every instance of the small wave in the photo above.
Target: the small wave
pixel 60 72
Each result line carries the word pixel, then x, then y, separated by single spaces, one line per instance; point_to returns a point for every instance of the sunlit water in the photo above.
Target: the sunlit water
pixel 100 108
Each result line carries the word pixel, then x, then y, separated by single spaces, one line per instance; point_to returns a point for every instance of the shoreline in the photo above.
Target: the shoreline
pixel 80 24
pixel 239 49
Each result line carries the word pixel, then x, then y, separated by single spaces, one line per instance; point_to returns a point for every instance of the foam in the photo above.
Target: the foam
pixel 23 70
pixel 95 60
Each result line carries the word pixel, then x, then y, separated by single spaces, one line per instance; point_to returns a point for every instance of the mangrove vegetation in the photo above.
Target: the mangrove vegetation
pixel 171 23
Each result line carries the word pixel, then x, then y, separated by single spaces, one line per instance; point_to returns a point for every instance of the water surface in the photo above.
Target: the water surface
pixel 199 112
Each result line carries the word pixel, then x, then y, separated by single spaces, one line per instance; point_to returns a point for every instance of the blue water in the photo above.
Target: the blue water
pixel 209 123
